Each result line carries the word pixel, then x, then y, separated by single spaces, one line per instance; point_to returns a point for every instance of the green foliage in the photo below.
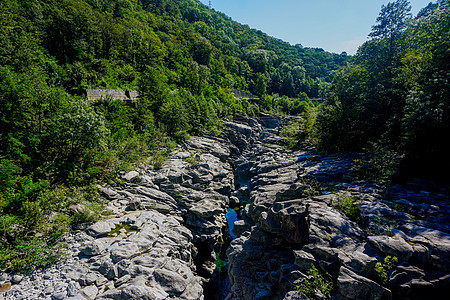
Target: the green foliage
pixel 28 254
pixel 381 225
pixel 193 159
pixel 261 85
pixel 291 133
pixel 392 19
pixel 384 269
pixel 314 187
pixel 380 164
pixel 316 282
pixel 347 204
pixel 220 264
pixel 394 93
pixel 308 122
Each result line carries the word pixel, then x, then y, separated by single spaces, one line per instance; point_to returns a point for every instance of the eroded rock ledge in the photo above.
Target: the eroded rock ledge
pixel 167 225
pixel 160 241
pixel 290 223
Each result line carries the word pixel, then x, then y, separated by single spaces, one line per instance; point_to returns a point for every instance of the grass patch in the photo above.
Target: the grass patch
pixel 121 227
pixel 381 225
pixel 194 160
pixel 314 187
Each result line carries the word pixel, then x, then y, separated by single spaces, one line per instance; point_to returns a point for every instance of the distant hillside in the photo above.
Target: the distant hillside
pixel 109 43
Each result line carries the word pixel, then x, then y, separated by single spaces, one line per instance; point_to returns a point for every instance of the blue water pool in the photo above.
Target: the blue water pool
pixel 231 217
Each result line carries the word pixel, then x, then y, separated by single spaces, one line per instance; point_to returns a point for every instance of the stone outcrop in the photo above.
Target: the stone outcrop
pixel 160 241
pixel 277 188
pixel 168 227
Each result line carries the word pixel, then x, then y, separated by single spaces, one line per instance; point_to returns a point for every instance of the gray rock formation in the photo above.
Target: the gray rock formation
pixel 292 221
pixel 297 211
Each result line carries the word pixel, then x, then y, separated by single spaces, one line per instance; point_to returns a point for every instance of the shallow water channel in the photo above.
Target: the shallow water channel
pixel 219 285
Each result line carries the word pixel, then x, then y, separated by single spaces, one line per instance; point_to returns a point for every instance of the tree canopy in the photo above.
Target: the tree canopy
pixel 394 94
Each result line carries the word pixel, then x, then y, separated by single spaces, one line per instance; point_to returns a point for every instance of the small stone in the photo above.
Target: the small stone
pixel 89 292
pixel 72 288
pixel 130 176
pixel 59 295
pixel 354 286
pixel 99 229
pixel 122 280
pixel 16 279
pixel 304 260
pixel 48 290
pixel 101 280
pixel 108 193
pixel 134 203
pixel 88 279
pixel 92 248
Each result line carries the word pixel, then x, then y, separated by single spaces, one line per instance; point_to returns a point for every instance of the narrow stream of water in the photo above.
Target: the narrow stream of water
pixel 231 216
pixel 219 285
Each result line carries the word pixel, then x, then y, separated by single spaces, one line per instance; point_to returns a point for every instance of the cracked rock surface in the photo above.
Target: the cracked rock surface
pixel 167 226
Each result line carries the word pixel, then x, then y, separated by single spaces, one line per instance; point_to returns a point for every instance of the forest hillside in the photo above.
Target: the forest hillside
pixel 183 58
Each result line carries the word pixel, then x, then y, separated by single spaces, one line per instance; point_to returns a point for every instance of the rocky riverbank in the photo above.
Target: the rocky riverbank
pixel 298 212
pixel 160 241
pixel 301 211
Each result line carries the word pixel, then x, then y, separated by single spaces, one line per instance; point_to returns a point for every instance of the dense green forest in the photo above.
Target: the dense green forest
pixel 185 59
pixel 182 57
pixel 392 99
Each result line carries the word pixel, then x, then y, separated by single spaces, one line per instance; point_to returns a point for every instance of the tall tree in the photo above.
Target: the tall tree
pixel 392 20
pixel 261 85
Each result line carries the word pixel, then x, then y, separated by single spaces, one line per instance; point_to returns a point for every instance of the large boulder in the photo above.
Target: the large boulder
pixel 289 220
pixel 354 287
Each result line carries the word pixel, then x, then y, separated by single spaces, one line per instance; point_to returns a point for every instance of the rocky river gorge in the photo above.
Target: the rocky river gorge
pixel 169 236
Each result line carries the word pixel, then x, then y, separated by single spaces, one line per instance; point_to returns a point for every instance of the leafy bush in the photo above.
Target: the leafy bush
pixel 193 159
pixel 314 187
pixel 220 263
pixel 346 203
pixel 394 93
pixel 291 134
pixel 380 164
pixel 27 254
pixel 383 269
pixel 316 282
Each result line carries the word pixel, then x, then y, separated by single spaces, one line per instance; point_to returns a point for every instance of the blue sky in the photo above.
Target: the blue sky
pixel 334 25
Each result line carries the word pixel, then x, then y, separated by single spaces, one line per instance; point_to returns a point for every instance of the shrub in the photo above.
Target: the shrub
pixel 27 254
pixel 314 187
pixel 379 165
pixel 316 282
pixel 383 269
pixel 291 134
pixel 308 124
pixel 194 160
pixel 220 264
pixel 347 204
